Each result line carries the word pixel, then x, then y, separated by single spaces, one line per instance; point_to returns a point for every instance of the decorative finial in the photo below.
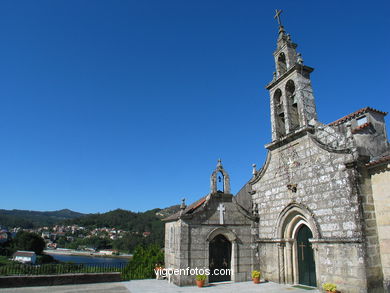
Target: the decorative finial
pixel 219 163
pixel 277 17
pixel 274 75
pixel 299 59
pixel 183 204
pixel 254 169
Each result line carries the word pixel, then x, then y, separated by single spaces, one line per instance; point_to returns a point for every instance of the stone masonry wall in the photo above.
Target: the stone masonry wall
pixel 193 244
pixel 326 187
pixel 371 240
pixel 380 180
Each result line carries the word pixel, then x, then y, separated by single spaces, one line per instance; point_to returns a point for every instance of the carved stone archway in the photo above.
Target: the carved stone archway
pixel 230 236
pixel 289 222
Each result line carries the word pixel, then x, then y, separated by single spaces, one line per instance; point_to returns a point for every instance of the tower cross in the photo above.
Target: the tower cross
pixel 221 209
pixel 277 16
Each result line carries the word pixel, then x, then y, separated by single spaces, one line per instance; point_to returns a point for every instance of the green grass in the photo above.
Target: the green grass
pixel 4 260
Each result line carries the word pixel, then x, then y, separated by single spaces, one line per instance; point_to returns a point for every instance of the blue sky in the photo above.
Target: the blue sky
pixel 129 104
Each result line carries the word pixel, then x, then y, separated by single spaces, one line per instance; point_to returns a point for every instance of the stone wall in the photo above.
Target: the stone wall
pixel 380 180
pixel 372 250
pixel 172 247
pixel 329 201
pixel 52 280
pixel 342 264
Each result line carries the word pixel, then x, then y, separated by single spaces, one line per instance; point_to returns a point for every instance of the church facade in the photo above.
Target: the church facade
pixel 317 211
pixel 211 234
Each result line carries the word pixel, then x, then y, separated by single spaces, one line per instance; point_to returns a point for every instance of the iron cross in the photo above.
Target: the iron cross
pixel 277 16
pixel 302 246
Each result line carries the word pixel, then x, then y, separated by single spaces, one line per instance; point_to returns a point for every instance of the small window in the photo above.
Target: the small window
pixel 361 120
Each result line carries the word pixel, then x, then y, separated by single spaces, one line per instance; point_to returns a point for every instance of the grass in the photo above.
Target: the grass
pixel 4 260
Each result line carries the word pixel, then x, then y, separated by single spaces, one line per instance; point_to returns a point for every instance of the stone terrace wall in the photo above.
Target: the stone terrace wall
pixel 50 280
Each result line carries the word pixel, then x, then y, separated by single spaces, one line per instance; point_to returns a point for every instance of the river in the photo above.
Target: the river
pixel 93 260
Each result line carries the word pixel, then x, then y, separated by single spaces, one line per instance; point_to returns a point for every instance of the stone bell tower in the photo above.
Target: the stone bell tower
pixel 292 100
pixel 219 174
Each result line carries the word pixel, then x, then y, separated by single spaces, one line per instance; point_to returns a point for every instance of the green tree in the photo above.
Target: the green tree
pixel 143 262
pixel 28 241
pixel 6 248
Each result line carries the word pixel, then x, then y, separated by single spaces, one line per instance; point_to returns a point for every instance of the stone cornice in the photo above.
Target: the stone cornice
pixel 260 173
pixel 329 148
pixel 289 137
pixel 313 240
pixel 296 67
pixel 336 240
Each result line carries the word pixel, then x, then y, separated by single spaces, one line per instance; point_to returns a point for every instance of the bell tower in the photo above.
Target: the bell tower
pixel 219 174
pixel 291 94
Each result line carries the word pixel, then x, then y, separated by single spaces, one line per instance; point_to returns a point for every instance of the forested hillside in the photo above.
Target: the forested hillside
pixel 142 228
pixel 34 219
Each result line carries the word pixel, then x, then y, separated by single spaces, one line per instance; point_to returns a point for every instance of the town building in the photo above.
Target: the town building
pixel 25 256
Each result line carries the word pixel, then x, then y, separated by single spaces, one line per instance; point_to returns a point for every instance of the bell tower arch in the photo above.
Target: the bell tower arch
pixel 219 174
pixel 291 94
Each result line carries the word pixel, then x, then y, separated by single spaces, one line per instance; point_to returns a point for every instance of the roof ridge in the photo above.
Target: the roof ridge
pixel 354 114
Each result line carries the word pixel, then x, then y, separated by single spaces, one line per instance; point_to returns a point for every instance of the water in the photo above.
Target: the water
pixel 81 259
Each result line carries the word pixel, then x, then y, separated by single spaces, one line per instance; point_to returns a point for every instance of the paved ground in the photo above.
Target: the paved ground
pixel 153 286
pixel 149 286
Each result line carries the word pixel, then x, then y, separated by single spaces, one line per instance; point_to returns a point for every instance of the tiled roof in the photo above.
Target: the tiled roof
pixel 188 210
pixel 378 161
pixel 356 113
pixel 361 127
pixel 24 253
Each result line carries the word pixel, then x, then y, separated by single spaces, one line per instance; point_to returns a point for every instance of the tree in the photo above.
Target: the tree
pixel 28 241
pixel 143 262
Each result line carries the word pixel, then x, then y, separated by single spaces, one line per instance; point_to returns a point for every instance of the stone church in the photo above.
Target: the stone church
pixel 317 211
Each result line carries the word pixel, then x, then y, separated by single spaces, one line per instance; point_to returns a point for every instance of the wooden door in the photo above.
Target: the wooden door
pixel 306 264
pixel 219 258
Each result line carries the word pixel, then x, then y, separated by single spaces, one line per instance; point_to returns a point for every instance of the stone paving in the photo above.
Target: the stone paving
pixel 153 286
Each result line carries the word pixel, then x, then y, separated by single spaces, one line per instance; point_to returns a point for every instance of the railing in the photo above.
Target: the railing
pixel 57 269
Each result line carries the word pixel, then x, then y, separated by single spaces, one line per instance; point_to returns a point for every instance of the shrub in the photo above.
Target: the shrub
pixel 329 287
pixel 45 259
pixel 201 277
pixel 255 274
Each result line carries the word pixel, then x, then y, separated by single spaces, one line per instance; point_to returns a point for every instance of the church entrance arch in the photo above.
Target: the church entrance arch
pixel 296 225
pixel 220 253
pixel 305 255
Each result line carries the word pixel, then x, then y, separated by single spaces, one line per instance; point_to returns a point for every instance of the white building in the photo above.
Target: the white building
pixel 25 256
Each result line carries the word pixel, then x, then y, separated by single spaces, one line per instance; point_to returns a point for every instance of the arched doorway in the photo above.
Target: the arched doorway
pixel 295 226
pixel 220 252
pixel 306 265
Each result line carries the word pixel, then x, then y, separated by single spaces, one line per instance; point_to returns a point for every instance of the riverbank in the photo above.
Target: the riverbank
pixel 84 253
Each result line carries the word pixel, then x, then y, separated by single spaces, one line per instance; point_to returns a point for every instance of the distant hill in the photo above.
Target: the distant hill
pixel 168 211
pixel 135 223
pixel 126 220
pixel 121 219
pixel 32 219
